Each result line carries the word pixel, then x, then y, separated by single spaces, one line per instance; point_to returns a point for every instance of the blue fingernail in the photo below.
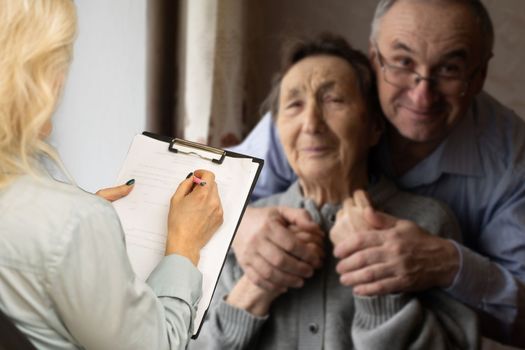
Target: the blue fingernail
pixel 189 175
pixel 130 182
pixel 203 183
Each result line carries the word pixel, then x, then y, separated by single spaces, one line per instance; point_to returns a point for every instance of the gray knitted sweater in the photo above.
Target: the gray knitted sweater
pixel 323 314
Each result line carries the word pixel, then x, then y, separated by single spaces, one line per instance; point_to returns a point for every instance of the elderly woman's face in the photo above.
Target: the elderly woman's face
pixel 322 121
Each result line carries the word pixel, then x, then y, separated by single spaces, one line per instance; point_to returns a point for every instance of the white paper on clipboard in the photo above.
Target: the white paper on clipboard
pixel 158 170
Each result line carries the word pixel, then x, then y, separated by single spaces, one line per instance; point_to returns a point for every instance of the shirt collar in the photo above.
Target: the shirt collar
pixel 462 150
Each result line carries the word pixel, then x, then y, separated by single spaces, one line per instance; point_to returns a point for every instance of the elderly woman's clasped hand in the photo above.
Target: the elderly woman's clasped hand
pixel 287 247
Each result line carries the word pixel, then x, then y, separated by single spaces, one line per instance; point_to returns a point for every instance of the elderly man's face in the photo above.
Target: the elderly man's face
pixel 433 39
pixel 323 121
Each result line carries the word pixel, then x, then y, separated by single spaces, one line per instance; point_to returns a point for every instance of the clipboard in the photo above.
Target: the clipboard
pixel 158 164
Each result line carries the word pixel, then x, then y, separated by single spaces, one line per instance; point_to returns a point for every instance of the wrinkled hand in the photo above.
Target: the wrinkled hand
pixel 113 193
pixel 278 247
pixel 393 256
pixel 350 217
pixel 195 214
pixel 248 296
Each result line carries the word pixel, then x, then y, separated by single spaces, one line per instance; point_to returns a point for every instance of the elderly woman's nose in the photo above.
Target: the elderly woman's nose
pixel 313 118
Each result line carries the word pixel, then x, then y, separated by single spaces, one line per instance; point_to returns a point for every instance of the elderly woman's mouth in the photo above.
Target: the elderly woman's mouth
pixel 316 150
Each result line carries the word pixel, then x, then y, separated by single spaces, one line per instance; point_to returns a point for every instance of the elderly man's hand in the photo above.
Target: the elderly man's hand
pixel 394 256
pixel 278 247
pixel 351 218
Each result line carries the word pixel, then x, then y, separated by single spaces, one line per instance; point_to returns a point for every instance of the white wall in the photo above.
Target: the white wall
pixel 104 102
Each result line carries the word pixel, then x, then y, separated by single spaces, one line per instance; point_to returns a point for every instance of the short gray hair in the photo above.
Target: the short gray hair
pixel 478 9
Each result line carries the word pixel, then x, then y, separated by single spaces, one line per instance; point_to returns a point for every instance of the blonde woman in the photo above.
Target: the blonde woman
pixel 65 279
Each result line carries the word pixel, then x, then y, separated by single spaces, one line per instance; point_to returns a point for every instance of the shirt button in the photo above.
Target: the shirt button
pixel 313 328
pixel 332 218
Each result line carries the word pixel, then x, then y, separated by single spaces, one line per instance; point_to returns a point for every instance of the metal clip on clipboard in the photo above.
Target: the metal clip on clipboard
pixel 216 155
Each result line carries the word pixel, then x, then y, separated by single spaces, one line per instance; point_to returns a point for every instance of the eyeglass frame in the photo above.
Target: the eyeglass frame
pixel 433 79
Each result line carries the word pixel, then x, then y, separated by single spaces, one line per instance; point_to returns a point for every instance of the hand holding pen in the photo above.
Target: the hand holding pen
pixel 195 214
pixel 197 180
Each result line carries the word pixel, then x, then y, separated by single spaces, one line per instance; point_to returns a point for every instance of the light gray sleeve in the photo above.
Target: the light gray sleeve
pixel 227 327
pixel 430 320
pixel 100 301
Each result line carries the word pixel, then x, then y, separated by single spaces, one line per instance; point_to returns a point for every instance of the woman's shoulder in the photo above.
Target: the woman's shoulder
pixel 45 202
pixel 42 218
pixel 57 194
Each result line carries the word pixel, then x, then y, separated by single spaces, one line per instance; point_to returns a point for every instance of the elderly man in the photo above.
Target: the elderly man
pixel 445 138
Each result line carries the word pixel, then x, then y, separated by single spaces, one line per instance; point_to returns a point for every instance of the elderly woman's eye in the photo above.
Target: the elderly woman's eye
pixel 333 99
pixel 293 104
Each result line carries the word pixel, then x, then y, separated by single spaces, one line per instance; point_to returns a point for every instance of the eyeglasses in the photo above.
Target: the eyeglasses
pixel 453 83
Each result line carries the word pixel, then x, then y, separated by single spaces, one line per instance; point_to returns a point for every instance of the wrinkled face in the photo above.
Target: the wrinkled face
pixel 322 121
pixel 430 38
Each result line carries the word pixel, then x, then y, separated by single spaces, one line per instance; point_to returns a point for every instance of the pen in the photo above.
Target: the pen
pixel 198 181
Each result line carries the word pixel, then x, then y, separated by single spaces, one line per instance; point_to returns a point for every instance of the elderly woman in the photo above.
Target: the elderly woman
pixel 65 279
pixel 327 121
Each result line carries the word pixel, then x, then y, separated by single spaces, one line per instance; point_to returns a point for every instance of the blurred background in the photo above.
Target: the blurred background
pixel 199 69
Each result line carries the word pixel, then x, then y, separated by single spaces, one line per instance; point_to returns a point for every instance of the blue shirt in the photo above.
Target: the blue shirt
pixel 66 280
pixel 479 171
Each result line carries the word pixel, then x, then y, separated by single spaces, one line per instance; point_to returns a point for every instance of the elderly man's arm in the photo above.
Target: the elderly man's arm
pixel 394 255
pixel 428 320
pixel 399 256
pixel 494 281
pixel 370 245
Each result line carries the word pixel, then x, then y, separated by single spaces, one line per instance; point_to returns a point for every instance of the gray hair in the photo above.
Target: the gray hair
pixel 477 7
pixel 297 49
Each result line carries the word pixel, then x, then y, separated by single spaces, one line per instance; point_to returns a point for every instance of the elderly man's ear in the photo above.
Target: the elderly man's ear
pixel 479 79
pixel 372 56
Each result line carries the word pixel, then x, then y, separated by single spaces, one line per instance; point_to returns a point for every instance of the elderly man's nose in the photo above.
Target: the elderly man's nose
pixel 423 94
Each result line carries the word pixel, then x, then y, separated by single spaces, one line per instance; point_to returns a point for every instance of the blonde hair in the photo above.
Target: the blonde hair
pixel 36 41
